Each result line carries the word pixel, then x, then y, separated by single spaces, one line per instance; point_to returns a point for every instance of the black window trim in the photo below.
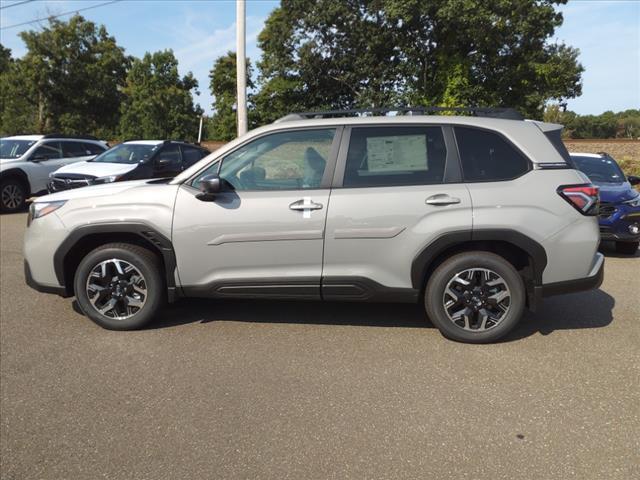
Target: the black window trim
pixel 452 168
pixel 329 169
pixel 530 164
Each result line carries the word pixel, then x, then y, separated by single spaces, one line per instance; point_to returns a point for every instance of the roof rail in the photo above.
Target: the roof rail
pixel 77 137
pixel 490 112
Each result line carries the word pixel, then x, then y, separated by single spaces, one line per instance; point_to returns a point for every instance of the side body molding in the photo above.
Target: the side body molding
pixel 428 254
pixel 144 231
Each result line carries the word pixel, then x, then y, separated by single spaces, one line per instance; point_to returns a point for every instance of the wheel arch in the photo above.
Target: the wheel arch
pixel 524 253
pixel 18 174
pixel 86 238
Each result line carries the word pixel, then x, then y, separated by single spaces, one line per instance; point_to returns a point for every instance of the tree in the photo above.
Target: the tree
pixel 157 101
pixel 361 53
pixel 17 109
pixel 222 126
pixel 73 72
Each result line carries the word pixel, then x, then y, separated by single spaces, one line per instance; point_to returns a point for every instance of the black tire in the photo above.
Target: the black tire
pixel 627 248
pixel 145 262
pixel 435 297
pixel 13 195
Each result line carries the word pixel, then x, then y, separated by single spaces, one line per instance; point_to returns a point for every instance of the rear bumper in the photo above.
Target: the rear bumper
pixel 593 281
pixel 40 287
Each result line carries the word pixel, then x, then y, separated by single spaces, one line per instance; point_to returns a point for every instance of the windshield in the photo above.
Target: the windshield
pixel 129 153
pixel 600 169
pixel 14 148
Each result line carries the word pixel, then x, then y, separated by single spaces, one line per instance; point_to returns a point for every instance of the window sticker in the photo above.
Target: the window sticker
pixel 398 152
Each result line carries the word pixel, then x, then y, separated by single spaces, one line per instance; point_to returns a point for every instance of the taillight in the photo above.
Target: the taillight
pixel 584 198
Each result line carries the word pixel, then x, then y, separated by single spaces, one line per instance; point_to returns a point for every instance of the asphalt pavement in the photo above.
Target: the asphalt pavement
pixel 262 390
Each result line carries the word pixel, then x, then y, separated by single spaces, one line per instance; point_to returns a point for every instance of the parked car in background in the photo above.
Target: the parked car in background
pixel 130 160
pixel 475 218
pixel 619 201
pixel 27 160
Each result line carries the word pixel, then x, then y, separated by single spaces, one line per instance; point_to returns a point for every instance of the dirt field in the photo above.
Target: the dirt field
pixel 626 152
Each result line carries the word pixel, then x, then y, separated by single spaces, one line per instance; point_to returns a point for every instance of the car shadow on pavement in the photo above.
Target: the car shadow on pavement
pixel 591 309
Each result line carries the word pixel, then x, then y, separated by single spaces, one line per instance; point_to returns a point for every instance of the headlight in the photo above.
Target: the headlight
pixel 634 202
pixel 40 209
pixel 109 179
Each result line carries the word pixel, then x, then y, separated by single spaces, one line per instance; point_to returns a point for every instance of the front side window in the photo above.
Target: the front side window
pixel 48 151
pixel 14 148
pixel 169 157
pixel 290 160
pixel 488 157
pixel 129 153
pixel 395 156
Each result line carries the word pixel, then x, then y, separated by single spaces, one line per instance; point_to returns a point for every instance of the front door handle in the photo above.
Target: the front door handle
pixel 305 204
pixel 442 199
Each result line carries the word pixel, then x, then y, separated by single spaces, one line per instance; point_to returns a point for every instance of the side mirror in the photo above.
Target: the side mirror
pixel 633 180
pixel 210 186
pixel 38 158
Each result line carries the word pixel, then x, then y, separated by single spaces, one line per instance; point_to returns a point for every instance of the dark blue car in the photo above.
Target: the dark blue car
pixel 619 201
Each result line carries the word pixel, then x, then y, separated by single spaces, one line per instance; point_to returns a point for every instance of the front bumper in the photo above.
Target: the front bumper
pixel 616 221
pixel 40 287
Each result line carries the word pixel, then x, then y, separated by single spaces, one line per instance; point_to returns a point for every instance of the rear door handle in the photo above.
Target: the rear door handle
pixel 305 204
pixel 442 199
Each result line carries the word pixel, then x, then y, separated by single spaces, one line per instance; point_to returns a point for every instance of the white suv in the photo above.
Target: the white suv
pixel 27 160
pixel 473 217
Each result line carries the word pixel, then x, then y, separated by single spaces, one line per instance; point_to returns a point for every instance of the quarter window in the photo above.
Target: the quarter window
pixel 289 160
pixel 393 156
pixel 488 157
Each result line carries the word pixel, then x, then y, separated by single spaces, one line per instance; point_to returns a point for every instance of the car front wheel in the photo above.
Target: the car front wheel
pixel 475 297
pixel 13 196
pixel 119 286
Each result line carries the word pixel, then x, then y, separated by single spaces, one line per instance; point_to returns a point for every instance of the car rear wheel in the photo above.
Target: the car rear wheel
pixel 13 195
pixel 627 248
pixel 119 286
pixel 475 297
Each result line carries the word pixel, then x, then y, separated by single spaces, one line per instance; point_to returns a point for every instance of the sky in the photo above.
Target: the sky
pixel 607 32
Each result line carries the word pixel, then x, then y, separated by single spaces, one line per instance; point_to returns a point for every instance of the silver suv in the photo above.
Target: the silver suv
pixel 27 160
pixel 475 217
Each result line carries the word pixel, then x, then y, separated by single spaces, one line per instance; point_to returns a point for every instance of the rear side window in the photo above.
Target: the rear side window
pixel 395 156
pixel 488 157
pixel 191 155
pixel 93 149
pixel 74 149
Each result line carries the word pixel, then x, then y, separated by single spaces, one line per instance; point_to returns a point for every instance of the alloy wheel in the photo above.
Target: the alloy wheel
pixel 116 289
pixel 476 299
pixel 12 196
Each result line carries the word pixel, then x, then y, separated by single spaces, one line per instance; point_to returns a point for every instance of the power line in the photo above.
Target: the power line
pixel 59 15
pixel 15 4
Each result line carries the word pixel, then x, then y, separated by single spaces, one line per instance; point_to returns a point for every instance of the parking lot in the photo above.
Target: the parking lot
pixel 309 390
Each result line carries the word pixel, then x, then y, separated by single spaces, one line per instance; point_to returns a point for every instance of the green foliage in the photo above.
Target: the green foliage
pixel 17 109
pixel 72 73
pixel 157 101
pixel 222 125
pixel 363 53
pixel 624 124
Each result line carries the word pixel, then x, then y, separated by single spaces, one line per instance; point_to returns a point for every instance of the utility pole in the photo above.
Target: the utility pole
pixel 241 67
